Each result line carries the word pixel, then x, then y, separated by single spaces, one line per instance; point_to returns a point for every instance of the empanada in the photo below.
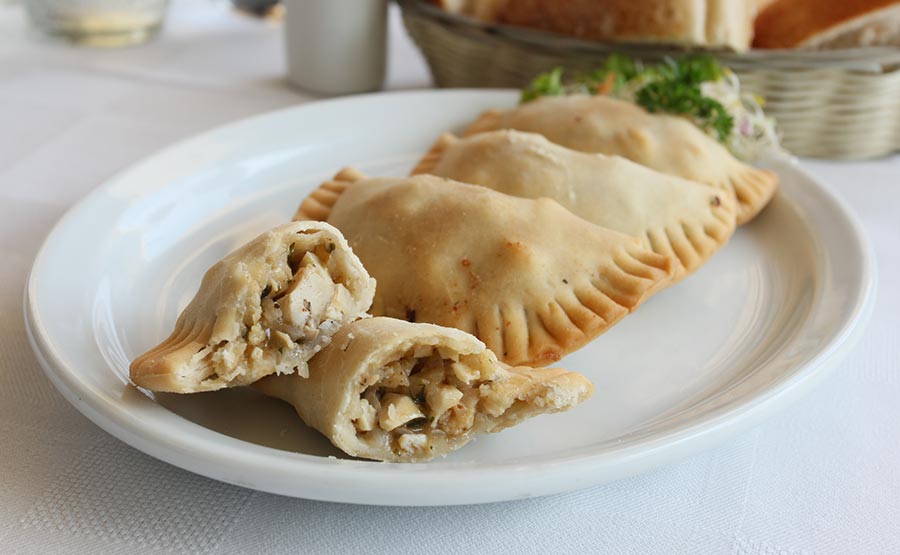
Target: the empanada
pixel 665 143
pixel 266 308
pixel 527 277
pixel 674 216
pixel 391 390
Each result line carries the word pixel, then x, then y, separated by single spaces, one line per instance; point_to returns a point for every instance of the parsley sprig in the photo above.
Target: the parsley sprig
pixel 545 84
pixel 678 98
pixel 673 86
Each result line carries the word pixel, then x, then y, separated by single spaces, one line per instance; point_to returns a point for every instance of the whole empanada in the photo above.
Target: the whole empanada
pixel 264 309
pixel 675 217
pixel 666 143
pixel 527 277
pixel 391 390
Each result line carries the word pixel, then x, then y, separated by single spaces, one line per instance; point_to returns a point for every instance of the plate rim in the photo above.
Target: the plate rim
pixel 641 456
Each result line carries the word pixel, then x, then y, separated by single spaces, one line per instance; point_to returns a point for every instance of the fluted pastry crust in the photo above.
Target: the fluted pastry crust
pixel 675 217
pixel 527 277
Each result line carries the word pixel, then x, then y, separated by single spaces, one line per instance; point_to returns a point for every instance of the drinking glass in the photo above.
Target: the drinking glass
pixel 103 23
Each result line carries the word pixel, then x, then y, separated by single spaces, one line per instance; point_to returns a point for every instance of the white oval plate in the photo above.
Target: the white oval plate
pixel 697 362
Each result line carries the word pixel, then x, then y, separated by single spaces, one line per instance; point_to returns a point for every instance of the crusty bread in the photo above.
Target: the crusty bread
pixel 822 24
pixel 762 4
pixel 730 23
pixel 713 23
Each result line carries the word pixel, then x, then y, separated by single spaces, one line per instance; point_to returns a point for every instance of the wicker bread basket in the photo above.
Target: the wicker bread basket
pixel 830 104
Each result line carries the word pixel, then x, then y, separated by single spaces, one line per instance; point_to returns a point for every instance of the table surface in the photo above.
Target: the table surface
pixel 820 477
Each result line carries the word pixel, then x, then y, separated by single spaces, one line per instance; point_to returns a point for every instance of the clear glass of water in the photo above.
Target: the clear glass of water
pixel 102 23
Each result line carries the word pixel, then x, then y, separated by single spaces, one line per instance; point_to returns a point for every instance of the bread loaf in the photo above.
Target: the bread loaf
pixel 710 23
pixel 821 24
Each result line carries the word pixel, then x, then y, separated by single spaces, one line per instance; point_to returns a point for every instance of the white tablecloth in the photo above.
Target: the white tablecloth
pixel 821 477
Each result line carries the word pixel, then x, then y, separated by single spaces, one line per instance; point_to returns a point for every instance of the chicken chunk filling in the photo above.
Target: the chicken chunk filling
pixel 422 395
pixel 297 310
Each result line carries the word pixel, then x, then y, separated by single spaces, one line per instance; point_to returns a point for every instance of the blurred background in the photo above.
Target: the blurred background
pixel 827 71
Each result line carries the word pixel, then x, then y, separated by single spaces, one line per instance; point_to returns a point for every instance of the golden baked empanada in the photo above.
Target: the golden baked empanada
pixel 266 308
pixel 391 390
pixel 665 143
pixel 675 217
pixel 527 277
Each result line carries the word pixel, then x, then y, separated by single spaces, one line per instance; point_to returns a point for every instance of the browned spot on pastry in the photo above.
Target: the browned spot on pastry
pixel 548 355
pixel 473 277
pixel 516 248
pixel 410 314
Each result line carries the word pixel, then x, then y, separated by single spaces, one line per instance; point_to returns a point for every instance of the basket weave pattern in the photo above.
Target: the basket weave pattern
pixel 823 109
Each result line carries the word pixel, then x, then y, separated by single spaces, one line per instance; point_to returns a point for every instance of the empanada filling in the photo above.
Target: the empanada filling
pixel 427 394
pixel 302 304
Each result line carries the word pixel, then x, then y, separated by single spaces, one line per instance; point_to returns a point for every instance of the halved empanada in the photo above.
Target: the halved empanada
pixel 675 217
pixel 266 308
pixel 666 143
pixel 527 277
pixel 391 390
